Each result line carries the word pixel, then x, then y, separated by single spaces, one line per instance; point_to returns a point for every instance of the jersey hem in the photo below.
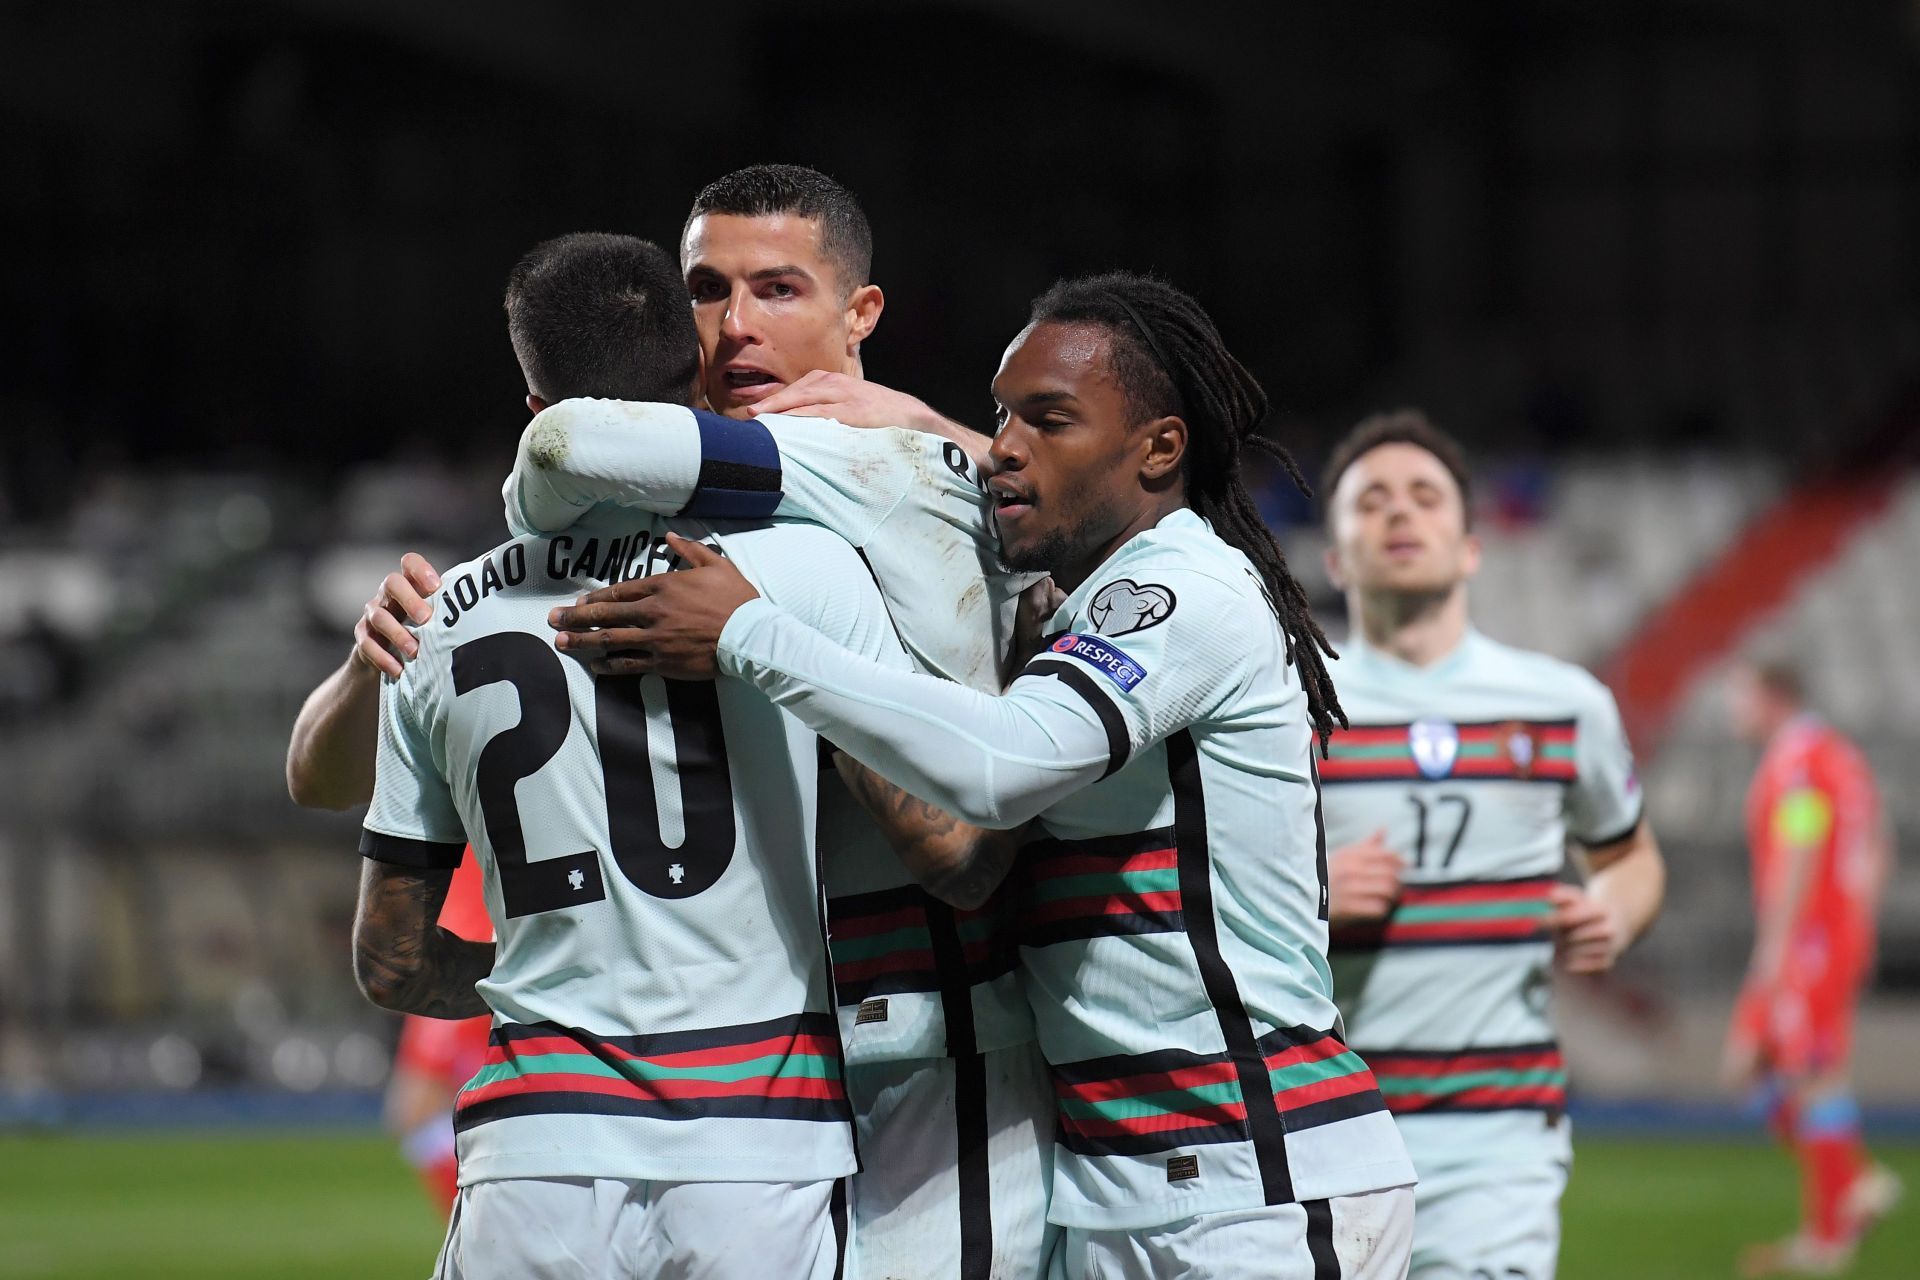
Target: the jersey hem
pixel 1385 1175
pixel 508 1167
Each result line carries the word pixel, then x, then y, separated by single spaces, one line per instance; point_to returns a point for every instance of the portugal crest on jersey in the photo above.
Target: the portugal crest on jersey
pixel 1516 742
pixel 1436 745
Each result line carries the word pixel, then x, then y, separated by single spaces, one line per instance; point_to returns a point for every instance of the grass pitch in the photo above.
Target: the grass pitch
pixel 227 1207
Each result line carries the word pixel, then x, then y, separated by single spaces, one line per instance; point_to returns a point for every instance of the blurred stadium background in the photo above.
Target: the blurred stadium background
pixel 1658 264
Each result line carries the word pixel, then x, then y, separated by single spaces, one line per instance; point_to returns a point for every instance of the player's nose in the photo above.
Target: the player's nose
pixel 1008 452
pixel 740 323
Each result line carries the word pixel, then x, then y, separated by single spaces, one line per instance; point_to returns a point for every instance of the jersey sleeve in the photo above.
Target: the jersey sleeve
pixel 1162 648
pixel 672 460
pixel 1604 803
pixel 412 821
pixel 991 761
pixel 1802 816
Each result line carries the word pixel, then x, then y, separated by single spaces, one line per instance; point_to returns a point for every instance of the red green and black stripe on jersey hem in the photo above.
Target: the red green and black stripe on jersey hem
pixel 1527 1077
pixel 1488 751
pixel 1458 913
pixel 894 941
pixel 784 1069
pixel 1144 1104
pixel 1107 886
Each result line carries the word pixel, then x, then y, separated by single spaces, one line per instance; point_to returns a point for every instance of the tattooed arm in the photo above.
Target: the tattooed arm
pixel 956 862
pixel 401 958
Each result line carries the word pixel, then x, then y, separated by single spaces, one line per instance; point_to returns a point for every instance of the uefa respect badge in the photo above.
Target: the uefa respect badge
pixel 1108 659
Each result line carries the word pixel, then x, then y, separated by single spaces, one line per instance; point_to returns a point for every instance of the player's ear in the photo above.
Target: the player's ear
pixel 863 315
pixel 1335 574
pixel 1470 555
pixel 1166 445
pixel 534 403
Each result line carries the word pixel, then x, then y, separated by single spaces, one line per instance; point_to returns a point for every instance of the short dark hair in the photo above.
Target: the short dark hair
pixel 1779 675
pixel 760 190
pixel 602 315
pixel 1401 426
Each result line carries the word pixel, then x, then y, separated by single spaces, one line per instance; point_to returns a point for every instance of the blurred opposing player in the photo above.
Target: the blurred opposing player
pixel 437 1056
pixel 949 1091
pixel 663 1090
pixel 1211 1122
pixel 1822 854
pixel 1449 799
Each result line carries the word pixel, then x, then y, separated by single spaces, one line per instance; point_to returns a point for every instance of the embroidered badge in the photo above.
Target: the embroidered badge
pixel 1436 745
pixel 1517 741
pixel 1123 607
pixel 1109 659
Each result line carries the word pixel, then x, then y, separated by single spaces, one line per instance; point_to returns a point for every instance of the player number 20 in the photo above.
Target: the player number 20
pixel 638 849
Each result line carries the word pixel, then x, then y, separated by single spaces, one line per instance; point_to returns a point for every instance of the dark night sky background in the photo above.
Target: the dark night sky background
pixel 273 235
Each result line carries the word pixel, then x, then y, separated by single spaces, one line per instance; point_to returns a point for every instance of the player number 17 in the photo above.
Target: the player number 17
pixel 1422 811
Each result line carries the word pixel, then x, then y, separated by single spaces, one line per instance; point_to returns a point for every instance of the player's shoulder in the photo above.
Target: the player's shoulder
pixel 511 568
pixel 887 463
pixel 781 540
pixel 839 439
pixel 1542 673
pixel 790 560
pixel 1185 545
pixel 1178 566
pixel 1820 742
pixel 469 592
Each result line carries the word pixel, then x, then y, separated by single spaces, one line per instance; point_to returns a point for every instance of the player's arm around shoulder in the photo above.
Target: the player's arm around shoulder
pixel 1595 923
pixel 330 753
pixel 860 403
pixel 954 860
pixel 822 582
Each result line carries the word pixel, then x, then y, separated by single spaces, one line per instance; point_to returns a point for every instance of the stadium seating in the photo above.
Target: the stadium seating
pixel 154 663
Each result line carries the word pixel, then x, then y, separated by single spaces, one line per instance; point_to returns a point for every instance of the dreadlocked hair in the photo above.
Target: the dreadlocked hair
pixel 1170 360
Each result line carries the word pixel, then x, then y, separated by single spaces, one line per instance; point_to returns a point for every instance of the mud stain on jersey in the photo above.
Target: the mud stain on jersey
pixel 548 445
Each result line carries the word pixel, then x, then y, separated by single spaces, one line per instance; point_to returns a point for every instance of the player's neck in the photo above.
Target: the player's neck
pixel 1419 628
pixel 1152 511
pixel 1782 719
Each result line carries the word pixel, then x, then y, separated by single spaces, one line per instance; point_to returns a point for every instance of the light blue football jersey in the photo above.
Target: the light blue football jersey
pixel 1478 768
pixel 914 506
pixel 661 996
pixel 1172 919
pixel 1174 928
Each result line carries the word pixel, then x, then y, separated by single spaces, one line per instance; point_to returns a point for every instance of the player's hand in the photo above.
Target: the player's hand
pixel 854 401
pixel 1363 881
pixel 381 641
pixel 1587 935
pixel 666 624
pixel 1038 604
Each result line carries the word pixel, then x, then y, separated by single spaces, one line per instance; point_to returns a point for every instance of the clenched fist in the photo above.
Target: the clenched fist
pixel 1363 880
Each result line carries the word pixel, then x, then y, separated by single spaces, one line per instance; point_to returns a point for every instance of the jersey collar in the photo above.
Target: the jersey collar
pixel 1179 518
pixel 1380 662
